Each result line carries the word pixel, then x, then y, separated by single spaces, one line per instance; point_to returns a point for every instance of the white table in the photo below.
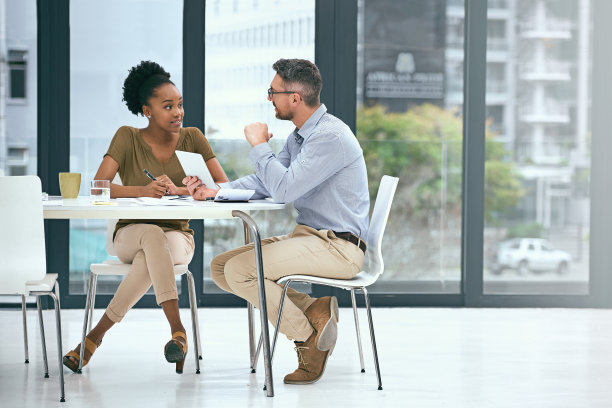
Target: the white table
pixel 80 208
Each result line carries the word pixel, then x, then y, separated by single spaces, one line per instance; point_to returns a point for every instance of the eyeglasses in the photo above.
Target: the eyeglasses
pixel 271 92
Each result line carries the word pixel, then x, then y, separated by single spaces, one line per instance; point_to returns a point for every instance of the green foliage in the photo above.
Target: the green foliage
pixel 423 147
pixel 531 230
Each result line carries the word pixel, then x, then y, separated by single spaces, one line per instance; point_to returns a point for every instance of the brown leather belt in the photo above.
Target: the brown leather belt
pixel 354 239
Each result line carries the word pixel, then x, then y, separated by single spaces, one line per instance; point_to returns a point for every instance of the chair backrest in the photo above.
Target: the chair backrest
pixel 110 225
pixel 378 222
pixel 22 233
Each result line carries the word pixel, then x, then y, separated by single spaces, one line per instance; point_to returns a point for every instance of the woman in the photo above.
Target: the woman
pixel 151 246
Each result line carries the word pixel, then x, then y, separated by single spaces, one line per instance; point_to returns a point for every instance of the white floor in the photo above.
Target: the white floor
pixel 429 358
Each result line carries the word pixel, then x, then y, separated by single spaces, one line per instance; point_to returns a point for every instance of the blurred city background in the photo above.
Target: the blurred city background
pixel 409 122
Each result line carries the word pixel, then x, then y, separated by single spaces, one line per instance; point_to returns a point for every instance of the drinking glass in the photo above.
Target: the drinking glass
pixel 99 192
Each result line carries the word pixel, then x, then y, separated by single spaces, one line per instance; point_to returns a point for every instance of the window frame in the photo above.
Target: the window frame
pixel 335 54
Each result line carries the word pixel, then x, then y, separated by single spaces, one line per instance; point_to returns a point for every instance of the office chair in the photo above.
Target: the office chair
pixel 365 278
pixel 24 264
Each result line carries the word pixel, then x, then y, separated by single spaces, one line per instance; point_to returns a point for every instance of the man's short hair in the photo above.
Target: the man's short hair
pixel 303 73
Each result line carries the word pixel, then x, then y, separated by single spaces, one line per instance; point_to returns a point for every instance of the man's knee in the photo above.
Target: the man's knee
pixel 216 269
pixel 239 270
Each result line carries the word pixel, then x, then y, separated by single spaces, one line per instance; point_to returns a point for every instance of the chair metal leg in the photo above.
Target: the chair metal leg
pixel 88 302
pixel 93 302
pixel 250 309
pixel 356 315
pixel 42 335
pixel 251 323
pixel 259 344
pixel 195 314
pixel 263 307
pixel 278 320
pixel 56 289
pixel 194 321
pixel 60 353
pixel 25 329
pixel 374 350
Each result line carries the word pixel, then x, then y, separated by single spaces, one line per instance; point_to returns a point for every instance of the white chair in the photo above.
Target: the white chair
pixel 116 267
pixel 365 278
pixel 22 251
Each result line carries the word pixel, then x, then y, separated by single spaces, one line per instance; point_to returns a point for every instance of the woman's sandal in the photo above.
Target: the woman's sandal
pixel 71 359
pixel 176 350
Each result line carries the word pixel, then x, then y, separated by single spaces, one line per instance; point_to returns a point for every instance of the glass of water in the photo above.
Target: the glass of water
pixel 99 192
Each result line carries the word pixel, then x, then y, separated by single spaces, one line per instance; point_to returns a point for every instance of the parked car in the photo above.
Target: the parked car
pixel 529 254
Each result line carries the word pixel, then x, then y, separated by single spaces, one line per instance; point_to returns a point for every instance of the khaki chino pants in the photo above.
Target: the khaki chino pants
pixel 153 253
pixel 305 251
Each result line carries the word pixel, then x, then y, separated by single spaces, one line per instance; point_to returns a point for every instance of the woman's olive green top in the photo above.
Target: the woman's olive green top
pixel 133 154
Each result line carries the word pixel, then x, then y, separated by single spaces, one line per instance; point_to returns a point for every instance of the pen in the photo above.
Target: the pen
pixel 149 175
pixel 209 198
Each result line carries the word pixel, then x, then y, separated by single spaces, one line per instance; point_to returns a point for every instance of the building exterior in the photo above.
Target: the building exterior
pixel 18 89
pixel 538 101
pixel 537 90
pixel 239 58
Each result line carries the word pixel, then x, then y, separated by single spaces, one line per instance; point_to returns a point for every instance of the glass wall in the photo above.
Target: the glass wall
pixel 106 40
pixel 18 88
pixel 409 92
pixel 409 124
pixel 243 40
pixel 537 176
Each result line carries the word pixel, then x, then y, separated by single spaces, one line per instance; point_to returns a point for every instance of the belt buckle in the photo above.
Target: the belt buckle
pixel 359 241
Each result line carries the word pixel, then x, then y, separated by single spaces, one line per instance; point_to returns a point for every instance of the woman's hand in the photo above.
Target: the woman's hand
pixel 155 189
pixel 198 190
pixel 171 189
pixel 192 183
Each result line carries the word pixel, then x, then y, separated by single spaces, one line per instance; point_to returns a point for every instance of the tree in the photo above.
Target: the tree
pixel 423 147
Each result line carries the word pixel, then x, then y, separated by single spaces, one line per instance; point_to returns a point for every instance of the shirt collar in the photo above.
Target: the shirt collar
pixel 309 126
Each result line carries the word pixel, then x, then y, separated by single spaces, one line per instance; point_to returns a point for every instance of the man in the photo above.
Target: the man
pixel 322 171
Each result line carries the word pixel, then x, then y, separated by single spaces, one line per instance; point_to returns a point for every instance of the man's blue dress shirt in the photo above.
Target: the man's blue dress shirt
pixel 321 170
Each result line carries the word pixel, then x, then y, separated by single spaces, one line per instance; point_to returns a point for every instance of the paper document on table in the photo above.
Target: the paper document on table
pixel 178 197
pixel 234 194
pixel 157 201
pixel 52 203
pixel 193 165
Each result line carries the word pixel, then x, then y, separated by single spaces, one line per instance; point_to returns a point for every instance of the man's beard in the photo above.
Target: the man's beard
pixel 283 116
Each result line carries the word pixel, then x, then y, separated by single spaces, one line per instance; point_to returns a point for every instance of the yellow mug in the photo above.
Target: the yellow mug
pixel 70 183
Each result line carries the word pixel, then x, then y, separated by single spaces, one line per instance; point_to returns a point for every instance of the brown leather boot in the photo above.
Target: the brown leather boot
pixel 311 362
pixel 323 316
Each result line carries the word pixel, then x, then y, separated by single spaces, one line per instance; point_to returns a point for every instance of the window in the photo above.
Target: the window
pixel 242 43
pixel 539 107
pixel 409 124
pixel 17 63
pixel 99 62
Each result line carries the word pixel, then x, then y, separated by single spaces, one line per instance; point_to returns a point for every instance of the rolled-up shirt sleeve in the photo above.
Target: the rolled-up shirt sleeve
pixel 315 163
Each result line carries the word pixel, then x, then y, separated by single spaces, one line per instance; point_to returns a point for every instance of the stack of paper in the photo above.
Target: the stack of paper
pixel 157 201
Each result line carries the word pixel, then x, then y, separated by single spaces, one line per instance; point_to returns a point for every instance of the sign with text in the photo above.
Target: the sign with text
pixel 395 75
pixel 404 53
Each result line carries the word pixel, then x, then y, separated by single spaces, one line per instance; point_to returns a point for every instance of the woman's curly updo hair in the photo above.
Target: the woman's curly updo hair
pixel 141 83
